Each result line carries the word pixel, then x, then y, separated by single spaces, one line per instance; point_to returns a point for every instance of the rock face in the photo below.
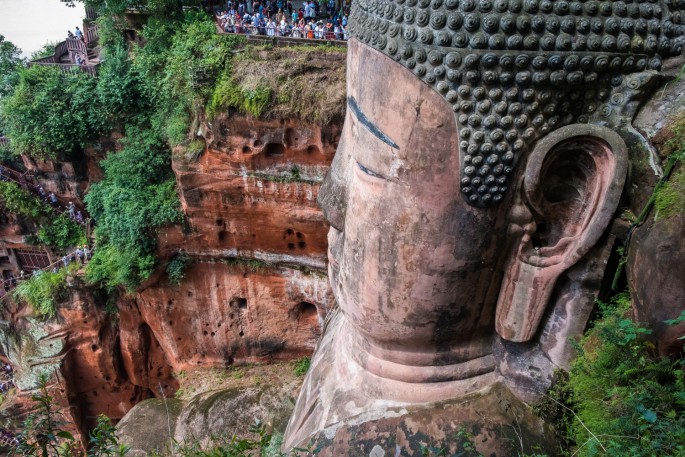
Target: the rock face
pixel 222 314
pixel 254 286
pixel 656 273
pixel 80 350
pixel 254 289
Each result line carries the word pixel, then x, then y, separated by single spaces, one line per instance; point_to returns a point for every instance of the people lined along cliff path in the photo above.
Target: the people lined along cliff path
pixel 82 254
pixel 324 20
pixel 61 205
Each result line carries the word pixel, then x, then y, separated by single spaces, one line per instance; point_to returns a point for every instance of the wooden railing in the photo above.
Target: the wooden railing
pixel 91 70
pixel 75 45
pixel 91 34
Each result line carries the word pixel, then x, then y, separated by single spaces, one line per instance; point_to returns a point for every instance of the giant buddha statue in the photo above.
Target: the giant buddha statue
pixel 481 164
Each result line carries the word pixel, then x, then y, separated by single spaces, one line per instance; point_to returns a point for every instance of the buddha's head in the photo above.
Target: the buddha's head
pixel 468 178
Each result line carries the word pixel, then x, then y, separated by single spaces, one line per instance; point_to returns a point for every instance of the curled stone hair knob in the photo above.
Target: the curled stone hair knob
pixel 605 9
pixel 515 41
pixel 468 5
pixel 552 24
pixel 612 26
pixel 562 8
pixel 548 42
pixel 508 23
pixel 583 25
pixel 479 41
pixel 422 18
pixel 568 25
pixel 609 43
pixel 455 21
pixel 426 36
pixel 497 41
pixel 471 22
pixel 506 61
pixel 442 87
pixel 438 20
pixel 537 23
pixel 540 77
pixel 591 8
pixel 523 23
pixel 495 94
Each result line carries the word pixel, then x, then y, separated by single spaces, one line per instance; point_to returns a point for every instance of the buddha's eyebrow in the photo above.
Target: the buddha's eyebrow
pixel 361 117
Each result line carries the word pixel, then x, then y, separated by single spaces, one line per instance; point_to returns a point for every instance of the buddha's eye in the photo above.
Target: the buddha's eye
pixel 369 172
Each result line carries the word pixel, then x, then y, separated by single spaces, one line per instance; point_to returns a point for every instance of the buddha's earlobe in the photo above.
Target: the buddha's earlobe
pixel 571 188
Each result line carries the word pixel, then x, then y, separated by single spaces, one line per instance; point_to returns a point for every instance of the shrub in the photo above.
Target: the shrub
pixel 44 290
pixel 55 230
pixel 630 401
pixel 51 113
pixel 176 269
pixel 302 366
pixel 42 433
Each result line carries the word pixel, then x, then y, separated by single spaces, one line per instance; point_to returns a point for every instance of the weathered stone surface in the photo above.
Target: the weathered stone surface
pixel 500 425
pixel 222 314
pixel 149 426
pixel 656 273
pixel 208 418
pixel 252 192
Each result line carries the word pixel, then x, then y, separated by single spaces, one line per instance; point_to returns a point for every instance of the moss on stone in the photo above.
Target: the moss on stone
pixel 306 83
pixel 669 199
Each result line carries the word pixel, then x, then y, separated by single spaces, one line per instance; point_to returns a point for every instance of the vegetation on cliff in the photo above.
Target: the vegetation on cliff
pixel 50 113
pixel 54 229
pixel 45 290
pixel 619 397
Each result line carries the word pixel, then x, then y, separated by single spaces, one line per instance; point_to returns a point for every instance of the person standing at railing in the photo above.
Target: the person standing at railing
pixel 270 28
pixel 69 34
pixel 78 33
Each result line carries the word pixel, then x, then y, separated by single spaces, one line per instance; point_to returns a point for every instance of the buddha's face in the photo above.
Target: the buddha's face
pixel 411 263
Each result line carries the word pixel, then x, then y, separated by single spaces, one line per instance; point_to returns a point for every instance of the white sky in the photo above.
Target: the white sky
pixel 29 24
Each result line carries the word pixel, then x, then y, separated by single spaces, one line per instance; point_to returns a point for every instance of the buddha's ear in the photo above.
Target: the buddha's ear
pixel 571 188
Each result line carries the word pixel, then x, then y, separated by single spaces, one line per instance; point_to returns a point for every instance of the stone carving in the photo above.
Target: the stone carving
pixel 515 70
pixel 444 296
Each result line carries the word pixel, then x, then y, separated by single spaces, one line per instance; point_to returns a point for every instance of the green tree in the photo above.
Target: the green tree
pixel 10 62
pixel 51 112
pixel 42 434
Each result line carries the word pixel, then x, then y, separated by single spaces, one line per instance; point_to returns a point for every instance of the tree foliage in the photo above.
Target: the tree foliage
pixel 51 113
pixel 10 61
pixel 54 230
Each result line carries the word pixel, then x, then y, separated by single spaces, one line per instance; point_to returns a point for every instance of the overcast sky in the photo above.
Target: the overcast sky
pixel 29 24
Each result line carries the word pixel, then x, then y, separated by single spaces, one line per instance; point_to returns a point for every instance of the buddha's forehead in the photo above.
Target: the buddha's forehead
pixel 514 70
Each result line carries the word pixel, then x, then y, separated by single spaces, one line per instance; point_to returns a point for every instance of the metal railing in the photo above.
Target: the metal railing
pixel 77 255
pixel 284 37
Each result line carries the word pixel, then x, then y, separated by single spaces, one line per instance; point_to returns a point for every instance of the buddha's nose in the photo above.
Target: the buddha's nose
pixel 332 196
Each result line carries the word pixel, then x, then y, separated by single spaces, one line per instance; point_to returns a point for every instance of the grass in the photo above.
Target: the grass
pixel 306 83
pixel 669 199
pixel 302 366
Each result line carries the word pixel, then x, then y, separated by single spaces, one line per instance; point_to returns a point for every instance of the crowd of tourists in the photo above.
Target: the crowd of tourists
pixel 323 19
